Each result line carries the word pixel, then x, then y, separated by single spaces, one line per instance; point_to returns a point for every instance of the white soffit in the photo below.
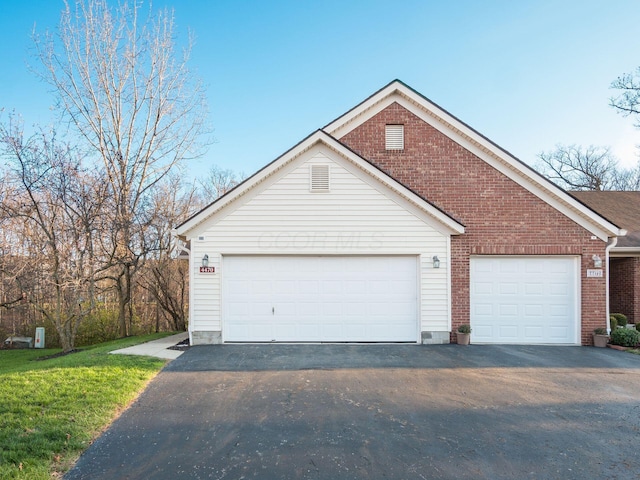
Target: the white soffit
pixel 477 144
pixel 320 137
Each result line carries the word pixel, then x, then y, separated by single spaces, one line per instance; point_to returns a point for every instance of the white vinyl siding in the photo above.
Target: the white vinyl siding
pixel 359 216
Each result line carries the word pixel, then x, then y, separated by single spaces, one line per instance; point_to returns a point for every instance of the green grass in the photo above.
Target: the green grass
pixel 51 410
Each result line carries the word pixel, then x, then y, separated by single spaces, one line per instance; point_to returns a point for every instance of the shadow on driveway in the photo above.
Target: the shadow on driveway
pixel 379 412
pixel 257 357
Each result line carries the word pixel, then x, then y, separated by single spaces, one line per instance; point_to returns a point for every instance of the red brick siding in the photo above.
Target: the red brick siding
pixel 500 217
pixel 624 287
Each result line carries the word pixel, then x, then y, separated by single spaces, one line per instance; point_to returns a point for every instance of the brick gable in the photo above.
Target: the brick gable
pixel 500 216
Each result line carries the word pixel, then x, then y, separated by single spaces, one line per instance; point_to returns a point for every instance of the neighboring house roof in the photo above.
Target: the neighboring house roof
pixel 323 139
pixel 479 145
pixel 621 208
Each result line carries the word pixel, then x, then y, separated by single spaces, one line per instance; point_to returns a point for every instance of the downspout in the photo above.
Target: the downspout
pixel 184 249
pixel 613 242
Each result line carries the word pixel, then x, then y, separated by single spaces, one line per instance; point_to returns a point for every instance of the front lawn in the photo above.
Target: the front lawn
pixel 51 410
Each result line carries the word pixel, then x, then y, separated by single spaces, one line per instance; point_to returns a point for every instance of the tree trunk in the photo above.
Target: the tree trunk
pixel 124 300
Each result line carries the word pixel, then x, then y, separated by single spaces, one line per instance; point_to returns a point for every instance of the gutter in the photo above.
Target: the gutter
pixel 612 244
pixel 175 235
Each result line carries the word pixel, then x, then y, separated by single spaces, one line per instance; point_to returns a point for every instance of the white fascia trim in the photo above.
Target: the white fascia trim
pixel 479 146
pixel 350 120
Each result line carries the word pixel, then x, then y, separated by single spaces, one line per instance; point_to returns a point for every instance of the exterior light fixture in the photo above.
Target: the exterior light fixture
pixel 436 262
pixel 205 260
pixel 597 261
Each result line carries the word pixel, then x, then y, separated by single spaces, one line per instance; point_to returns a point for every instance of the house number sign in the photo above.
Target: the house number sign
pixel 592 273
pixel 207 269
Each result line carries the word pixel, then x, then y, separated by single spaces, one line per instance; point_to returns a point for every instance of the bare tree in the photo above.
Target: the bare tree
pixel 217 182
pixel 166 273
pixel 627 102
pixel 592 168
pixel 49 254
pixel 131 98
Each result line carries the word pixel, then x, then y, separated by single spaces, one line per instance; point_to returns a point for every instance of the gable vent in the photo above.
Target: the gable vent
pixel 319 178
pixel 394 137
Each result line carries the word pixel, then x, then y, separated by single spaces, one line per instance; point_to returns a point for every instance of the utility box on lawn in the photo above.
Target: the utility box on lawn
pixel 39 337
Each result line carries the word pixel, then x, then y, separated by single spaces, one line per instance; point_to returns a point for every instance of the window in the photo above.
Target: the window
pixel 394 137
pixel 319 178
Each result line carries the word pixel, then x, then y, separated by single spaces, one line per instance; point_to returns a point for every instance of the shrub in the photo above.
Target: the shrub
pixel 625 337
pixel 101 326
pixel 600 331
pixel 466 328
pixel 613 322
pixel 620 318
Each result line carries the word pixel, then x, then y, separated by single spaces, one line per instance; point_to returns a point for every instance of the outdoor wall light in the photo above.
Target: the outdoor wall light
pixel 436 262
pixel 597 261
pixel 205 260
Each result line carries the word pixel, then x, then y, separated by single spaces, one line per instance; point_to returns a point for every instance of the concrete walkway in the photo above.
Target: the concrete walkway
pixel 157 348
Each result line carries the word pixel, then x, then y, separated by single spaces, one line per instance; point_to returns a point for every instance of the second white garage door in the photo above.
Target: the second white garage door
pixel 531 300
pixel 320 299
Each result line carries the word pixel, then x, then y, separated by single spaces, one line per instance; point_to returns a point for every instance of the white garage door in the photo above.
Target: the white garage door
pixel 530 300
pixel 320 299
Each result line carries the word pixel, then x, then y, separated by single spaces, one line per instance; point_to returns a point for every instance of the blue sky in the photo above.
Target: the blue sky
pixel 526 74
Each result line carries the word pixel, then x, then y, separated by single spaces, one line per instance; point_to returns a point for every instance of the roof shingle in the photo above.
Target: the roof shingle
pixel 621 208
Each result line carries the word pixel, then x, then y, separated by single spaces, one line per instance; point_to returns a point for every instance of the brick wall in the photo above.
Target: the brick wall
pixel 500 217
pixel 625 287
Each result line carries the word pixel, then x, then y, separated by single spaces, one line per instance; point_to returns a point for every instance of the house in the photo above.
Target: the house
pixel 622 208
pixel 397 222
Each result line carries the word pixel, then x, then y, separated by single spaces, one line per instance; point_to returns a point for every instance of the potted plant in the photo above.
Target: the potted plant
pixel 600 337
pixel 463 334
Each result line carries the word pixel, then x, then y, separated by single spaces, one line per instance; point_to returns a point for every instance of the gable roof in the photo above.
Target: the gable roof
pixel 321 138
pixel 479 145
pixel 622 208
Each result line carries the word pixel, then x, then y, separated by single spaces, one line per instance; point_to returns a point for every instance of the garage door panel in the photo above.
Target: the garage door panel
pixel 558 332
pixel 484 288
pixel 260 286
pixel 508 331
pixel 533 310
pixel 331 308
pixel 308 286
pixel 531 289
pixel 508 288
pixel 532 299
pixel 335 298
pixel 559 289
pixel 508 310
pixel 331 287
pixel 559 268
pixel 508 267
pixel 533 333
pixel 482 309
pixel 534 267
pixel 259 309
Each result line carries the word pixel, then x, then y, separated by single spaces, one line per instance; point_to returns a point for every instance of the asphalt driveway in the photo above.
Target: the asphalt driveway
pixel 379 412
